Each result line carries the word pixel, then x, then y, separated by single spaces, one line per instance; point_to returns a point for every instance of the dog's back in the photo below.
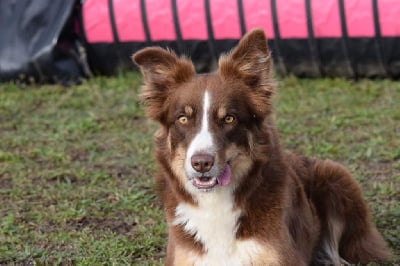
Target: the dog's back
pixel 347 234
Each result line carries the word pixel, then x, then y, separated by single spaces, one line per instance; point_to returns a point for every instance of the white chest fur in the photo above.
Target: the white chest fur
pixel 214 223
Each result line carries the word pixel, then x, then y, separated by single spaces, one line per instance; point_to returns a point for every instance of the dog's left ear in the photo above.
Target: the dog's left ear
pixel 250 62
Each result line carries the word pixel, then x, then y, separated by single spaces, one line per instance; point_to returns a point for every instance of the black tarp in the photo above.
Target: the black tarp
pixel 38 42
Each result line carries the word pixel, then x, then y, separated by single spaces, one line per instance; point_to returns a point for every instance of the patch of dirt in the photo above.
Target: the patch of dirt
pixel 64 178
pixel 80 156
pixel 380 167
pixel 379 171
pixel 41 261
pixel 5 182
pixel 115 224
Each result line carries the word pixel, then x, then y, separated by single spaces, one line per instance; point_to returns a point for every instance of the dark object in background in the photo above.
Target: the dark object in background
pixel 46 41
pixel 345 38
pixel 38 42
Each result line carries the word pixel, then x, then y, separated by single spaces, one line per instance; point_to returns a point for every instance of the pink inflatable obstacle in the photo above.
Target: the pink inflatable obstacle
pixel 351 38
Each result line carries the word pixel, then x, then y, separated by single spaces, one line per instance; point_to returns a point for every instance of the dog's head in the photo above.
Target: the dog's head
pixel 212 125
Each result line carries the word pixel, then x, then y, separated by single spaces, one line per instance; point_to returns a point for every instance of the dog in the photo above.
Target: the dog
pixel 231 195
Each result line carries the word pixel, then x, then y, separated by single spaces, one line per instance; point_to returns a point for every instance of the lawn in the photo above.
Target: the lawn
pixel 76 163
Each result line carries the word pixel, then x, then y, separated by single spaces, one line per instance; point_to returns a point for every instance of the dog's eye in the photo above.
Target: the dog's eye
pixel 183 119
pixel 229 119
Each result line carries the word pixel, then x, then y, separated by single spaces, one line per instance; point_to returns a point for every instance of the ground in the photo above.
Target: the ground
pixel 76 163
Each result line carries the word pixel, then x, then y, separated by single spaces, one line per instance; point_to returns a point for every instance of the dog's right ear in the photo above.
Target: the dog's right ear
pixel 162 71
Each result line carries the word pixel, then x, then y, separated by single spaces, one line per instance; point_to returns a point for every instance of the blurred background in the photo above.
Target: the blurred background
pixel 65 41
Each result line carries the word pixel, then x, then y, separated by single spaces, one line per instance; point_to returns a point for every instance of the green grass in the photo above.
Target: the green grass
pixel 76 164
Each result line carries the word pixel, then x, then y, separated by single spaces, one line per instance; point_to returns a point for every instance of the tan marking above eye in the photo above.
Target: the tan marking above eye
pixel 221 113
pixel 188 110
pixel 183 120
pixel 229 119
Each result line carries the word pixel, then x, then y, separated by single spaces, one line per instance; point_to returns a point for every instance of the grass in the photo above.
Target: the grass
pixel 76 164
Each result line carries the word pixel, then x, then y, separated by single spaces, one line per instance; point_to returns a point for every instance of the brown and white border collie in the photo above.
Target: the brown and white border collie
pixel 231 195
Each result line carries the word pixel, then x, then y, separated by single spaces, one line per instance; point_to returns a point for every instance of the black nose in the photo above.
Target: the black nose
pixel 202 162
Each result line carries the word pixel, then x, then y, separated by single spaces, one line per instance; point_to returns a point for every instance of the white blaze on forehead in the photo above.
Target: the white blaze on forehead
pixel 203 141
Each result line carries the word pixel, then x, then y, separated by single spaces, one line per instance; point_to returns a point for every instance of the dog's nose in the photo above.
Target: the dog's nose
pixel 202 162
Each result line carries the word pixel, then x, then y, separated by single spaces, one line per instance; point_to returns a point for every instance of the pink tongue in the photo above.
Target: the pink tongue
pixel 225 177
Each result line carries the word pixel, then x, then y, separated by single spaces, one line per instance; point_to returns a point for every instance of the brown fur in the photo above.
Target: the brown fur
pixel 302 211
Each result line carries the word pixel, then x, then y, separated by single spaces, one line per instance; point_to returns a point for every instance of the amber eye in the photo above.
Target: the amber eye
pixel 183 119
pixel 229 119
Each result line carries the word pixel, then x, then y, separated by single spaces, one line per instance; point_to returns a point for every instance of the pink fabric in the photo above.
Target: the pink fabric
pixel 292 18
pixel 326 19
pixel 160 20
pixel 96 21
pixel 359 18
pixel 128 20
pixel 389 17
pixel 192 19
pixel 225 19
pixel 258 14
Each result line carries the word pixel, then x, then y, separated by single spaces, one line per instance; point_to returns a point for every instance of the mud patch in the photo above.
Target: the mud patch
pixel 5 183
pixel 64 178
pixel 116 224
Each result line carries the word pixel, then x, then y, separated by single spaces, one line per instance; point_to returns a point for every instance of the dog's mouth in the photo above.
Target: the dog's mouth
pixel 204 182
pixel 209 182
